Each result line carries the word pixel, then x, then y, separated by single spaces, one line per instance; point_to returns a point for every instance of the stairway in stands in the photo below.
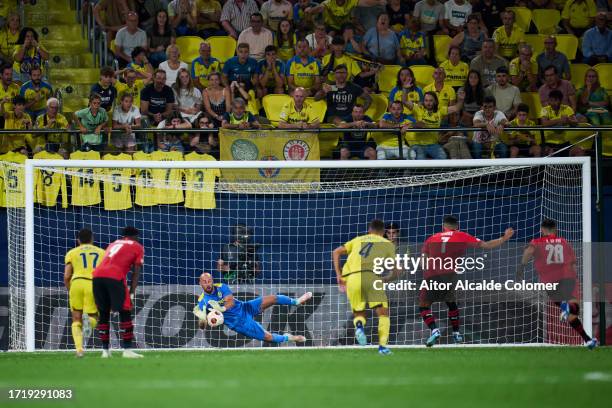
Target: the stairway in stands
pixel 71 65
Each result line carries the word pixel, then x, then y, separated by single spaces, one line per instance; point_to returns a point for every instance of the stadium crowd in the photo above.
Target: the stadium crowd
pixel 297 53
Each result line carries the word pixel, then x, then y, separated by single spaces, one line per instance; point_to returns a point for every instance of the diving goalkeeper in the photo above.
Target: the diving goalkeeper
pixel 238 315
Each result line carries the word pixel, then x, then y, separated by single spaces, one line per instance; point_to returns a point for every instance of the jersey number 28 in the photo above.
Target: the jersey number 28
pixel 554 254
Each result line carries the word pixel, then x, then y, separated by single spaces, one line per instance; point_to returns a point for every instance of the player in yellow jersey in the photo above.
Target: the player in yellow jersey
pixel 80 263
pixel 359 280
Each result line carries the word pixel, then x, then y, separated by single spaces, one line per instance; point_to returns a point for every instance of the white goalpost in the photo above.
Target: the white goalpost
pixel 293 227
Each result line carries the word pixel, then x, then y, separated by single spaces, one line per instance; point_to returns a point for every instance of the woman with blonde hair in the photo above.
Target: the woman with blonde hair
pixel 593 100
pixel 9 36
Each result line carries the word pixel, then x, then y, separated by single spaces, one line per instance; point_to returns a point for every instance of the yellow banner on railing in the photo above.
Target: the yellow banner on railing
pixel 269 145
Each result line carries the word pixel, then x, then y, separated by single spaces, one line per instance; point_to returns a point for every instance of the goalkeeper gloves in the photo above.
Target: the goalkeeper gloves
pixel 215 305
pixel 200 314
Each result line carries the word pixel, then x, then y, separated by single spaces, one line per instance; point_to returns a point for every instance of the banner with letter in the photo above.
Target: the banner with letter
pixel 269 145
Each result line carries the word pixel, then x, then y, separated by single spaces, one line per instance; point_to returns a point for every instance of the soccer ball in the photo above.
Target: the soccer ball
pixel 214 318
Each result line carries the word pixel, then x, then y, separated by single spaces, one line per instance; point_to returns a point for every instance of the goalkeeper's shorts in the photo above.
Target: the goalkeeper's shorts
pixel 249 327
pixel 361 293
pixel 81 296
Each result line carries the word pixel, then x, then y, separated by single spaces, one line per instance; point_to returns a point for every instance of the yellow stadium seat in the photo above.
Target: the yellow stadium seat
pixel 605 75
pixel 607 144
pixel 76 75
pixel 522 17
pixel 387 78
pixel 272 104
pixel 578 71
pixel 254 104
pixel 320 107
pixel 546 20
pixel 441 44
pixel 73 104
pixel 568 45
pixel 423 74
pixel 59 32
pixel 111 46
pixel 574 136
pixel 222 47
pixel 378 107
pixel 532 99
pixel 189 47
pixel 536 41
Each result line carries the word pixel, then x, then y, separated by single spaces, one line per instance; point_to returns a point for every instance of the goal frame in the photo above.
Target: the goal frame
pixel 31 165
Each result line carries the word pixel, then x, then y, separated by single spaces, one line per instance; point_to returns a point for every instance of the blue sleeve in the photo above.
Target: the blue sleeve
pixel 255 66
pixel 587 46
pixel 192 71
pixel 227 66
pixel 22 91
pixel 250 117
pixel 288 67
pixel 420 92
pixel 202 301
pixel 281 67
pixel 225 290
pixel 226 117
pixel 392 94
pixel 296 13
pixel 387 117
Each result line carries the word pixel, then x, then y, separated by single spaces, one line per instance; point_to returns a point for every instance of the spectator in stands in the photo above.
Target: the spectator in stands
pixel 203 66
pixel 92 121
pixel 128 38
pixel 239 118
pixel 524 70
pixel 141 64
pixel 456 70
pixel 304 22
pixel 257 36
pixel 241 68
pixel 271 74
pixel 593 100
pixel 52 119
pixel 490 12
pixel 172 141
pixel 28 54
pixel 36 92
pixel 157 99
pixel 542 4
pixel 355 145
pixel 172 65
pixel 507 96
pixel 381 43
pixel 183 16
pixel 366 13
pixel 17 119
pixel 188 97
pixel 470 39
pixel 552 82
pixel 105 89
pixel 297 113
pixel 556 113
pixel 110 16
pixel 399 14
pixel 147 12
pixel 413 44
pixel 212 140
pixel 319 41
pixel 508 36
pixel 338 12
pixel 216 98
pixel 474 97
pixel 337 57
pixel 550 56
pixel 8 90
pixel 523 141
pixel 352 41
pixel 236 15
pixel 126 117
pixel 132 86
pixel 160 36
pixel 445 93
pixel 456 13
pixel 209 15
pixel 577 16
pixel 341 96
pixel 273 11
pixel 9 35
pixel 429 13
pixel 284 40
pixel 492 121
pixel 405 89
pixel 303 71
pixel 597 42
pixel 487 62
pixel 387 144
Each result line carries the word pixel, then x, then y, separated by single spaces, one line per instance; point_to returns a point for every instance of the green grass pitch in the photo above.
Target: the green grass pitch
pixel 417 377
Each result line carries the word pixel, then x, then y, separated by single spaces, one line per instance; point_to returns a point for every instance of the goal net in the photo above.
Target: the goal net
pixel 276 235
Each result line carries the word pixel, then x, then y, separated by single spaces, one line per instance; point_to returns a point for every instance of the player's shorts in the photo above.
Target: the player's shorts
pixel 111 294
pixel 448 295
pixel 81 296
pixel 253 307
pixel 249 327
pixel 361 293
pixel 566 290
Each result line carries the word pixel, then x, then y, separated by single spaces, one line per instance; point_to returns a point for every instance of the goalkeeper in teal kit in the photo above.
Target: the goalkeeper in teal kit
pixel 238 315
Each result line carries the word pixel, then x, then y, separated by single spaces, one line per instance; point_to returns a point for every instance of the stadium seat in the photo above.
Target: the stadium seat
pixel 387 78
pixel 546 20
pixel 88 76
pixel 378 107
pixel 328 142
pixel 605 75
pixel 272 104
pixel 522 17
pixel 532 99
pixel 320 107
pixel 73 104
pixel 423 74
pixel 441 44
pixel 578 71
pixel 574 136
pixel 536 41
pixel 222 47
pixel 189 47
pixel 607 144
pixel 568 45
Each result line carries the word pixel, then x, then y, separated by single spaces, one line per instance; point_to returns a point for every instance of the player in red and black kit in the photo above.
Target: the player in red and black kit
pixel 448 244
pixel 555 262
pixel 111 291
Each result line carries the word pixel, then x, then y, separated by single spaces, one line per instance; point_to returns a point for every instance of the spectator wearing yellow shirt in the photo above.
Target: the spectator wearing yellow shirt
pixel 413 44
pixel 524 70
pixel 132 86
pixel 52 119
pixel 28 54
pixel 557 114
pixel 36 92
pixel 303 71
pixel 297 113
pixel 141 64
pixel 508 36
pixel 208 17
pixel 9 36
pixel 405 89
pixel 338 57
pixel 203 66
pixel 387 144
pixel 523 141
pixel 577 16
pixel 18 119
pixel 445 93
pixel 8 89
pixel 285 39
pixel 456 70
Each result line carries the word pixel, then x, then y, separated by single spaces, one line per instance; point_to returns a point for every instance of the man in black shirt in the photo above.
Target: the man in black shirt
pixel 342 96
pixel 157 99
pixel 356 144
pixel 105 89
